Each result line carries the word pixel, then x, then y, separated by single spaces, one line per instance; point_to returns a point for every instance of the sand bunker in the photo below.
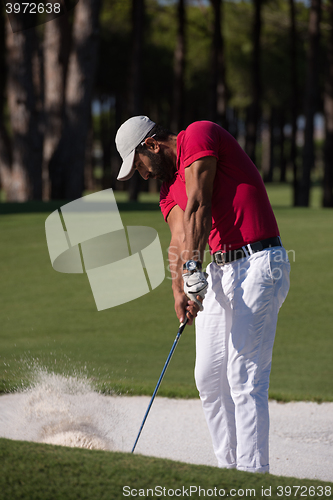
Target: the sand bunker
pixel 67 411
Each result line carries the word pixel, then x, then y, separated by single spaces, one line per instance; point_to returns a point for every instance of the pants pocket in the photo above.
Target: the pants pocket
pixel 280 273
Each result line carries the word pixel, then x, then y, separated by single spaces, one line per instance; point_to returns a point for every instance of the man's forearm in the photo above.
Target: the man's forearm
pixel 197 224
pixel 185 304
pixel 175 253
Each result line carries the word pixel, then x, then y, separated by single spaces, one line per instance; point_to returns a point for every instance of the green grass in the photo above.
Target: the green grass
pixel 281 195
pixel 49 319
pixel 42 472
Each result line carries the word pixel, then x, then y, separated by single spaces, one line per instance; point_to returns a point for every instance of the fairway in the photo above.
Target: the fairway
pixel 50 320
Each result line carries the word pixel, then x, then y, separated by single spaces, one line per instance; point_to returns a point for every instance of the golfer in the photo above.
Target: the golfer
pixel 213 193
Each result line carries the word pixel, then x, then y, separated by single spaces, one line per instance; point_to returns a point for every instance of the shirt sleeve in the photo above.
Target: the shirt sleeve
pixel 166 200
pixel 201 139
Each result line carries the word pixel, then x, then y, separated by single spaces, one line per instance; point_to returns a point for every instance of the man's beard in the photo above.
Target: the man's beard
pixel 163 167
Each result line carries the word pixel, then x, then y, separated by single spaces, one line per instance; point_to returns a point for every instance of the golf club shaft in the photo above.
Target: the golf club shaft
pixel 180 331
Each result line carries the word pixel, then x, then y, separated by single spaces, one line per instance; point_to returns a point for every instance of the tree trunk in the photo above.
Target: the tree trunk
pixel 177 120
pixel 328 110
pixel 107 143
pixel 254 108
pixel 5 146
pixel 233 122
pixel 67 165
pixel 27 143
pixel 136 68
pixel 281 144
pixel 56 54
pixel 267 141
pixel 89 180
pixel 294 97
pixel 136 76
pixel 219 91
pixel 311 90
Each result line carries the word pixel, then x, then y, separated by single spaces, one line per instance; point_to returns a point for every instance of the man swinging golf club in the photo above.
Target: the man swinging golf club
pixel 213 193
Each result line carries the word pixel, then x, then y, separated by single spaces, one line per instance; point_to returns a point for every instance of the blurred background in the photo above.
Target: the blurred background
pixel 263 69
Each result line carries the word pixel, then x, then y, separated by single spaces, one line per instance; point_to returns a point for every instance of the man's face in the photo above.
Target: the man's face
pixel 156 165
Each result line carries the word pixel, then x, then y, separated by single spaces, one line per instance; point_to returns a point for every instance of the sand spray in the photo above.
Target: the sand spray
pixel 60 410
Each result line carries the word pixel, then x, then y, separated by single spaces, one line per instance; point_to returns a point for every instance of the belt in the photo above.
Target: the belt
pixel 221 258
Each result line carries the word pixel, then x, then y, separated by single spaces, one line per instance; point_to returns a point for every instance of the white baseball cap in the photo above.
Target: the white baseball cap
pixel 129 136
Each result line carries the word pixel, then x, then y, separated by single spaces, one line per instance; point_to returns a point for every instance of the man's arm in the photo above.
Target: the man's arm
pixel 175 253
pixel 190 230
pixel 199 179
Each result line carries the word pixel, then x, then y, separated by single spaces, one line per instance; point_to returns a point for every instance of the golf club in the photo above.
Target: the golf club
pixel 180 331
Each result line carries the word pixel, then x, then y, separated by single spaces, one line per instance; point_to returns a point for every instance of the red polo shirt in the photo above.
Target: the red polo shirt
pixel 241 211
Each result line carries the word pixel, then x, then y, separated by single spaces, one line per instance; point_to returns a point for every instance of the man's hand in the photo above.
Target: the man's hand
pixel 195 283
pixel 185 307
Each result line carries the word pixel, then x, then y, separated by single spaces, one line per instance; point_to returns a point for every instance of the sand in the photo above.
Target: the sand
pixel 301 434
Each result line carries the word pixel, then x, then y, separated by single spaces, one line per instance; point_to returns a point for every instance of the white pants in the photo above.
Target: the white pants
pixel 234 342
